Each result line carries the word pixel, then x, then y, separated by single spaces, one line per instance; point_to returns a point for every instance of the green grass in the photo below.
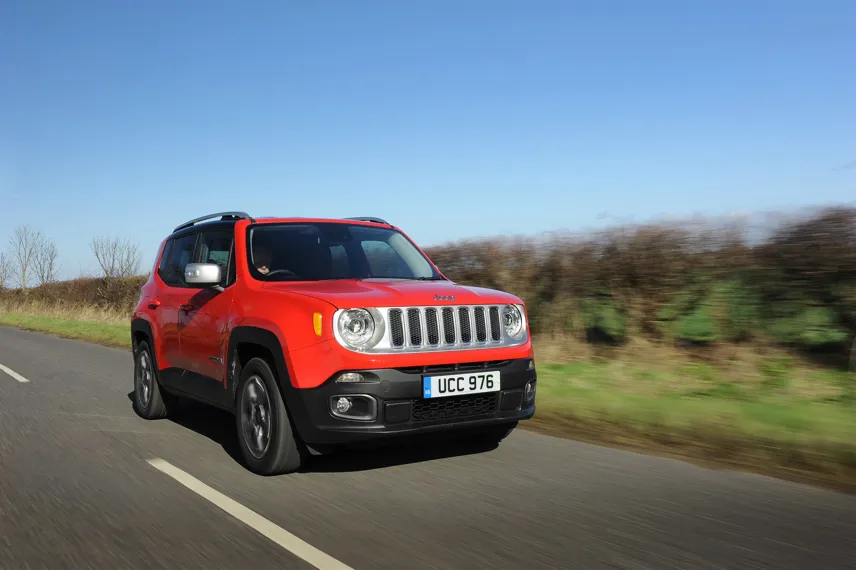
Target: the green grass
pixel 768 414
pixel 780 420
pixel 109 334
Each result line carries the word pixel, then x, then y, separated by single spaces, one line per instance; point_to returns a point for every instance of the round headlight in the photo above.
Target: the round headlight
pixel 356 326
pixel 512 320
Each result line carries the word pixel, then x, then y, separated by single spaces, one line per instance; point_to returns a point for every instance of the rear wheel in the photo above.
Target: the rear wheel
pixel 150 401
pixel 265 434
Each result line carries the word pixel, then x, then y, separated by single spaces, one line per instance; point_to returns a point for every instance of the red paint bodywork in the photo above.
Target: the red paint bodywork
pixel 188 337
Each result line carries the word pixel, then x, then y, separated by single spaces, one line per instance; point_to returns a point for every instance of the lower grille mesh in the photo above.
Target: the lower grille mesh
pixel 454 407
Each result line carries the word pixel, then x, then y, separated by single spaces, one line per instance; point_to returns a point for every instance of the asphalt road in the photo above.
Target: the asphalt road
pixel 80 487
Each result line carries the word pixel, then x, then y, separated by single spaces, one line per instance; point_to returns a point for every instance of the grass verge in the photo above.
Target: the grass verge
pixel 108 334
pixel 795 424
pixel 766 414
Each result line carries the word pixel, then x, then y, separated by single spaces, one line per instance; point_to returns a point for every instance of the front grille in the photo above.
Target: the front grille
pixel 441 327
pixel 455 407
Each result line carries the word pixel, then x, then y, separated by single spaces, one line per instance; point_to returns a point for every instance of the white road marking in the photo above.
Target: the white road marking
pixel 282 537
pixel 13 374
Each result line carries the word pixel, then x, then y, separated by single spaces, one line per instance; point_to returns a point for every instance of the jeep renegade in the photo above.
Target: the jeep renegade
pixel 317 333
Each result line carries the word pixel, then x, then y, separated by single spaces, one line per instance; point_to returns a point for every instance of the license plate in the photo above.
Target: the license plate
pixel 460 384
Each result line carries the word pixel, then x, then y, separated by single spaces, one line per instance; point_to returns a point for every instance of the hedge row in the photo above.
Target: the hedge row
pixel 793 281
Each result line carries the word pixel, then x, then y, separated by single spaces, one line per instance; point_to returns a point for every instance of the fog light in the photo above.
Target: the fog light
pixel 529 391
pixel 360 407
pixel 343 405
pixel 350 377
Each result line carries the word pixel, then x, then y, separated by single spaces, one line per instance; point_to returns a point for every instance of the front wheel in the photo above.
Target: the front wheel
pixel 267 440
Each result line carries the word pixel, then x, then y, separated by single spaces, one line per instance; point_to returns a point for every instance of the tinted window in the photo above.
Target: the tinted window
pixel 216 247
pixel 319 251
pixel 178 256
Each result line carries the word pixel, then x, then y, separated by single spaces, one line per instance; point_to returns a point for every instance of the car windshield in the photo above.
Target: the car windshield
pixel 314 251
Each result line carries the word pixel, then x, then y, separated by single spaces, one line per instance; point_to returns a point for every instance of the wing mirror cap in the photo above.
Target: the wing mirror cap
pixel 204 274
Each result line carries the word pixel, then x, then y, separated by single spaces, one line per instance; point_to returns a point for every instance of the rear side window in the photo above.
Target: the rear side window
pixel 216 247
pixel 179 253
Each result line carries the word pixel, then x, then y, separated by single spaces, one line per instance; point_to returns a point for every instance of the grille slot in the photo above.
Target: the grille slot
pixel 414 327
pixel 396 327
pixel 466 333
pixel 450 336
pixel 433 327
pixel 495 330
pixel 481 325
pixel 445 327
pixel 454 407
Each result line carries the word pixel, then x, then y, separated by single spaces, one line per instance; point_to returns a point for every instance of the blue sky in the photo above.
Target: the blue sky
pixel 451 118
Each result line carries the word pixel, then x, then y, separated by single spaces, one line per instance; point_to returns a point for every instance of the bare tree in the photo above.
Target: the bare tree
pixel 45 261
pixel 117 258
pixel 25 243
pixel 5 270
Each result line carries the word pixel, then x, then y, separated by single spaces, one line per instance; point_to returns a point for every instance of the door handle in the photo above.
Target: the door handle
pixel 154 304
pixel 186 308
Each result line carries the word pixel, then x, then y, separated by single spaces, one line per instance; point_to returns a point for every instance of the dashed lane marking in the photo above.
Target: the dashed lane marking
pixel 13 374
pixel 280 536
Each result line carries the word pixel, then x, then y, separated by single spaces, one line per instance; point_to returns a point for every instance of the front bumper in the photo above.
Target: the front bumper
pixel 400 408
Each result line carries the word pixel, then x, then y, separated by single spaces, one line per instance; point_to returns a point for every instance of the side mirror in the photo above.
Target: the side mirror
pixel 203 274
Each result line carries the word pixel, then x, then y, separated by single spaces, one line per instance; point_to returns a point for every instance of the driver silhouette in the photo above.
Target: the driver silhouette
pixel 262 259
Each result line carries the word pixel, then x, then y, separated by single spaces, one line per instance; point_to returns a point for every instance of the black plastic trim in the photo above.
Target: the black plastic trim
pixel 371 219
pixel 396 392
pixel 233 215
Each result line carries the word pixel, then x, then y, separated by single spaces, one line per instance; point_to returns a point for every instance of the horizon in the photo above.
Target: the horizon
pixel 757 226
pixel 453 122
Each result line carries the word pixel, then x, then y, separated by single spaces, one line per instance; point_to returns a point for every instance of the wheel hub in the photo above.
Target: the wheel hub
pixel 255 417
pixel 144 379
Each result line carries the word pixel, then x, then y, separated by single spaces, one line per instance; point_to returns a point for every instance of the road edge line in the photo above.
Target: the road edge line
pixel 263 526
pixel 14 374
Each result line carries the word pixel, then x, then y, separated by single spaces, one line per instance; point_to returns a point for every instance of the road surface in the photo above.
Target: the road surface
pixel 85 483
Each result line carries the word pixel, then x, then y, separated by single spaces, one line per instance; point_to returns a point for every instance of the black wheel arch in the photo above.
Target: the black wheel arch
pixel 141 330
pixel 246 342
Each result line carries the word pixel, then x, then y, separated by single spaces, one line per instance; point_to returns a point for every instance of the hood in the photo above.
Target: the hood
pixel 392 293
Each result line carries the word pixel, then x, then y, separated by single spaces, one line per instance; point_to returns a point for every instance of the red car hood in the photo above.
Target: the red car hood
pixel 393 293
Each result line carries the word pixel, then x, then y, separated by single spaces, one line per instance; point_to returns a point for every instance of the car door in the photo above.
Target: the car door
pixel 172 297
pixel 203 321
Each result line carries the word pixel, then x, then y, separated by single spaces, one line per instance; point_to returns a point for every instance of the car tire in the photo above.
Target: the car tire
pixel 150 401
pixel 266 436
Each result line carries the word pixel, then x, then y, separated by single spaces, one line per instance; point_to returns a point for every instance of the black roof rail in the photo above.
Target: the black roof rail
pixel 370 219
pixel 221 215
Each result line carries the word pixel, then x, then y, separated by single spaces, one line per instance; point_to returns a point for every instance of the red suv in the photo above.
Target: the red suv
pixel 316 333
